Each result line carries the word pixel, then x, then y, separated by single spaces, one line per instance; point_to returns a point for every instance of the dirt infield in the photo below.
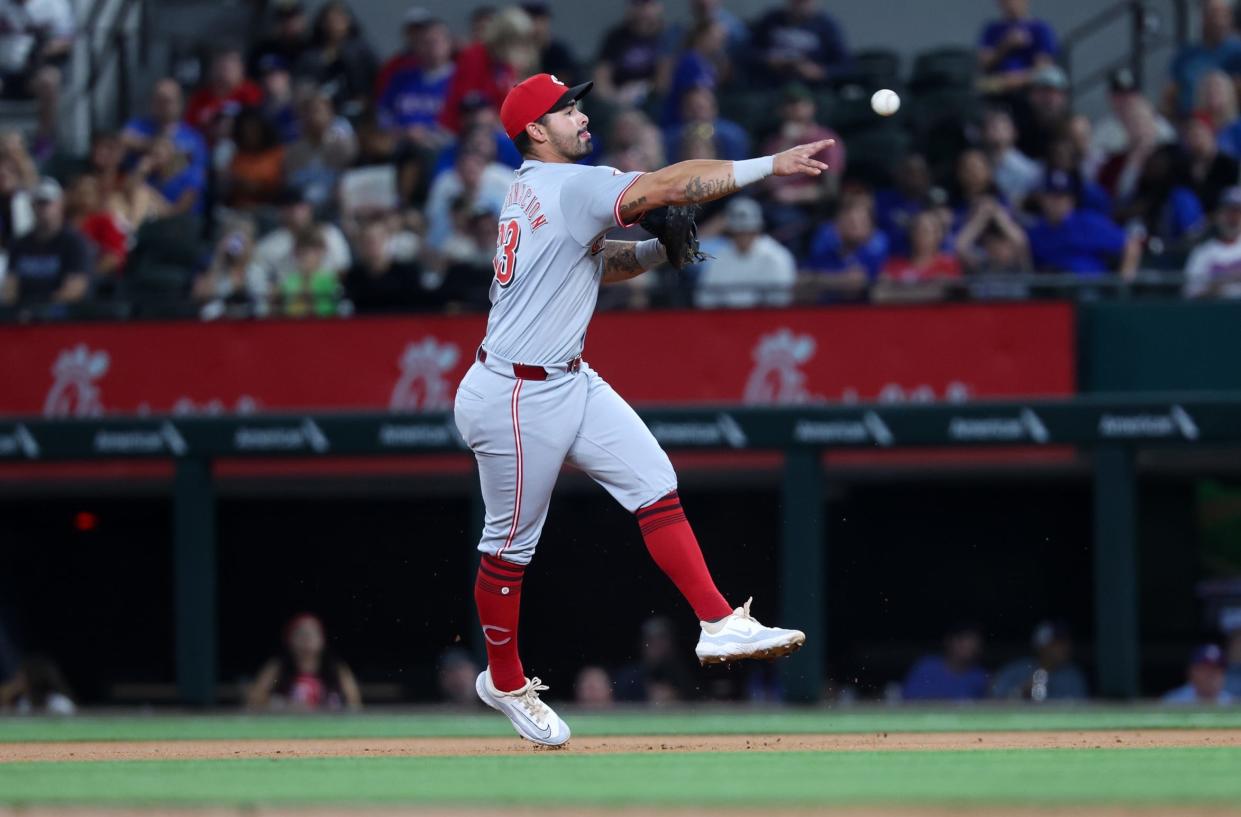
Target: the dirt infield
pixel 411 747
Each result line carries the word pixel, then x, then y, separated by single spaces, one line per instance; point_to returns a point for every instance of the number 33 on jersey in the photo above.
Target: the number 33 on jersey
pixel 505 261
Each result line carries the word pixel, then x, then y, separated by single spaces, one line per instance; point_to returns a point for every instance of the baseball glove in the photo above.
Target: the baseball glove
pixel 676 230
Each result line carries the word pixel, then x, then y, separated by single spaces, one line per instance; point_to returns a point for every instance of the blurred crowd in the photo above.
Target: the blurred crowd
pixel 308 175
pixel 306 673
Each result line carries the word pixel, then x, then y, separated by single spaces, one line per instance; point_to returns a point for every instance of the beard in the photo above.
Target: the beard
pixel 571 147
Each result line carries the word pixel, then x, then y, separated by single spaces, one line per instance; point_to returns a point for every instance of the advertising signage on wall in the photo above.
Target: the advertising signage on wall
pixel 411 364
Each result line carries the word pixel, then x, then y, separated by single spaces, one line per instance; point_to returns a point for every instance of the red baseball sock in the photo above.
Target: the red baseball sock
pixel 497 593
pixel 675 549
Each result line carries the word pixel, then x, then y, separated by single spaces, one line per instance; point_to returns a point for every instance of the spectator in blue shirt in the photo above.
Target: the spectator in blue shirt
pixel 699 111
pixel 845 256
pixel 1206 679
pixel 179 182
pixel 1009 49
pixel 1067 239
pixel 896 206
pixel 167 108
pixel 702 64
pixel 798 43
pixel 1048 674
pixel 414 92
pixel 953 676
pixel 1219 50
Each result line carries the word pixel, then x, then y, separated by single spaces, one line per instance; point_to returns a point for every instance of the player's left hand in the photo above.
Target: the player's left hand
pixel 797 159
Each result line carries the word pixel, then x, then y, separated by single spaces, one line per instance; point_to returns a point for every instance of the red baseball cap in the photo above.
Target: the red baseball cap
pixel 534 97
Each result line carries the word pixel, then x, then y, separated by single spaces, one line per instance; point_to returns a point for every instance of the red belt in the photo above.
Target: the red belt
pixel 524 371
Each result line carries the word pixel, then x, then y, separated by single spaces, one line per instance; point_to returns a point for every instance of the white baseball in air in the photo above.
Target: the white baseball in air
pixel 885 102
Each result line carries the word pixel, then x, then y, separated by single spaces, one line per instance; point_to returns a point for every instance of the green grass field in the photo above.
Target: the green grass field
pixel 1109 776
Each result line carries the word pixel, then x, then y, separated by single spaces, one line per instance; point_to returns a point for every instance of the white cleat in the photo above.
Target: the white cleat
pixel 534 720
pixel 740 636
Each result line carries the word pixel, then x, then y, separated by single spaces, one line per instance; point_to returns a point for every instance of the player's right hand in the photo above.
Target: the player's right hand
pixel 797 160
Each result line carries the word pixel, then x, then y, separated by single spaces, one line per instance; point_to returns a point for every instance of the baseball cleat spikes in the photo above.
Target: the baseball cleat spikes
pixel 534 720
pixel 740 636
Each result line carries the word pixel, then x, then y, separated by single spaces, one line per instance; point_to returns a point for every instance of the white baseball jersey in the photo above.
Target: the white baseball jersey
pixel 548 267
pixel 549 259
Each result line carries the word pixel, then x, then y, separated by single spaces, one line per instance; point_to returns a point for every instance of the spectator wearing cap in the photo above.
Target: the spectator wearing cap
pixel 846 255
pixel 1209 170
pixel 554 56
pixel 1047 675
pixel 700 113
pixel 287 39
pixel 1067 239
pixel 167 105
pixel 487 69
pixel 1214 267
pixel 1161 205
pixel 339 59
pixel 1016 174
pixel 748 268
pixel 954 674
pixel 274 252
pixel 793 201
pixel 634 57
pixel 1111 135
pixel 226 91
pixel 1045 112
pixel 1012 48
pixel 1219 49
pixel 926 272
pixel 798 43
pixel 36 41
pixel 1207 675
pixel 50 265
pixel 413 95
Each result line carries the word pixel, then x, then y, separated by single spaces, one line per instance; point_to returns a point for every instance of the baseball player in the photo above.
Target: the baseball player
pixel 529 402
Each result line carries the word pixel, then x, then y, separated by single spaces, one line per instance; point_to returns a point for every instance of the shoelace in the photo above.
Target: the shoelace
pixel 745 609
pixel 529 698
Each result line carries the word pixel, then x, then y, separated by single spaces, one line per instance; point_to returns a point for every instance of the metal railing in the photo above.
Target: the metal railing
pixel 1146 32
pixel 112 46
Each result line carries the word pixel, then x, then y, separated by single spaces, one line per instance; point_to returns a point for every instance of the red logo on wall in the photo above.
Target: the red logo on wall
pixel 414 363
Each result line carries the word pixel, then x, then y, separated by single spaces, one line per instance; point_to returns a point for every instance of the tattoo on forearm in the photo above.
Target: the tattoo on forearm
pixel 620 261
pixel 699 190
pixel 626 209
